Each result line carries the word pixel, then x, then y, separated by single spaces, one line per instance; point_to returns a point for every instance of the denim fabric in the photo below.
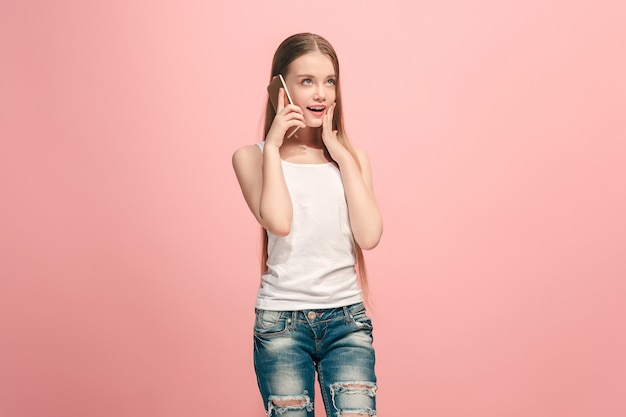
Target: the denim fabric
pixel 291 346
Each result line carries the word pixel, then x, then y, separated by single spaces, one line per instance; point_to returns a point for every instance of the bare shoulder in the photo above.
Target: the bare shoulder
pixel 246 156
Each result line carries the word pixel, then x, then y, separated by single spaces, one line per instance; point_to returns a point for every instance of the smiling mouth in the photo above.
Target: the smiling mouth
pixel 316 109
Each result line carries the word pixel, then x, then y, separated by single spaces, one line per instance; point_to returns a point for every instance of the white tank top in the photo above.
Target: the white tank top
pixel 313 266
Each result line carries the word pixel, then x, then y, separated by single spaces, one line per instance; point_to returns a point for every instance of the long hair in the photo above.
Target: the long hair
pixel 291 48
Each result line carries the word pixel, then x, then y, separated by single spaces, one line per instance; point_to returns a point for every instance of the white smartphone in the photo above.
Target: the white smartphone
pixel 272 89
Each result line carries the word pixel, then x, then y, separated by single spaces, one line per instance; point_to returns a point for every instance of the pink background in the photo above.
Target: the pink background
pixel 128 264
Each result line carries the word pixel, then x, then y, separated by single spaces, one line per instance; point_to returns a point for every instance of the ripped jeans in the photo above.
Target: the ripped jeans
pixel 291 346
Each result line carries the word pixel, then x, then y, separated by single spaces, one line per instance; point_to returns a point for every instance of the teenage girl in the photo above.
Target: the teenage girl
pixel 312 194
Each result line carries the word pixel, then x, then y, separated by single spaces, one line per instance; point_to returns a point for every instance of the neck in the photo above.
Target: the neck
pixel 308 136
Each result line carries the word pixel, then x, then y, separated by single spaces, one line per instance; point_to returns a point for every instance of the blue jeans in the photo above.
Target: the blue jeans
pixel 291 346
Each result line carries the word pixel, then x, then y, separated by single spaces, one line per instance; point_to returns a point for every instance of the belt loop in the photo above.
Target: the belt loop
pixel 294 316
pixel 346 314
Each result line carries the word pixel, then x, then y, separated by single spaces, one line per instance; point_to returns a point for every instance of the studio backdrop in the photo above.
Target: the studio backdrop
pixel 129 261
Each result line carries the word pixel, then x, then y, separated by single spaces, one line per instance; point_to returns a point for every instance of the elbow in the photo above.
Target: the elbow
pixel 369 243
pixel 370 238
pixel 276 220
pixel 280 230
pixel 278 227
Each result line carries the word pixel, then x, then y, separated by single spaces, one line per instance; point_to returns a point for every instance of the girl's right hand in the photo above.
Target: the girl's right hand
pixel 287 116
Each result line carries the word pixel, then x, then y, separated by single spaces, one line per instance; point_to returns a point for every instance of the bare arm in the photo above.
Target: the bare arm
pixel 263 186
pixel 260 175
pixel 365 218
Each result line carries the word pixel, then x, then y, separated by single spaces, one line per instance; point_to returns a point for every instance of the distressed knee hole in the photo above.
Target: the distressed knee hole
pixel 358 387
pixel 289 403
pixel 354 398
pixel 280 404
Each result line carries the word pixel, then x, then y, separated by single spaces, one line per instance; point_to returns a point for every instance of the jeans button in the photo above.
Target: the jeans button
pixel 311 315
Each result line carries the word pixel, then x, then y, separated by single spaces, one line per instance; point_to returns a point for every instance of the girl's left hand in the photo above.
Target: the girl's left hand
pixel 329 136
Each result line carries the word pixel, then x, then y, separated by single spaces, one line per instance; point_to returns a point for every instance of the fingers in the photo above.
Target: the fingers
pixel 295 119
pixel 281 100
pixel 283 104
pixel 291 116
pixel 328 118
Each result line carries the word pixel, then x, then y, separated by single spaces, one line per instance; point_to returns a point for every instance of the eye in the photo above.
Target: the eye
pixel 332 81
pixel 307 81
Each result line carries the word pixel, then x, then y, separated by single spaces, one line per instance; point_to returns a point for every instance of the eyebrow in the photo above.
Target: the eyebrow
pixel 313 76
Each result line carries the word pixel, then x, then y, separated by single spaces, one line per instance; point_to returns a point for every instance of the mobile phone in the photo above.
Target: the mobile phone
pixel 272 89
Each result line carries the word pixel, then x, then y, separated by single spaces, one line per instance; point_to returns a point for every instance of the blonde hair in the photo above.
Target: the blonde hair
pixel 290 49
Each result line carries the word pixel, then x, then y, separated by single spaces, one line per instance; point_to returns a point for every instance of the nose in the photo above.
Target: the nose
pixel 320 93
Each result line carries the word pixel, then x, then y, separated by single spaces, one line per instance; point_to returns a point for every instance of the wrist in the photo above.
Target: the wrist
pixel 271 152
pixel 270 147
pixel 343 157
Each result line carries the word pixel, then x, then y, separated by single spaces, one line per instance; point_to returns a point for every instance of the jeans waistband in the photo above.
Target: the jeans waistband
pixel 324 313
